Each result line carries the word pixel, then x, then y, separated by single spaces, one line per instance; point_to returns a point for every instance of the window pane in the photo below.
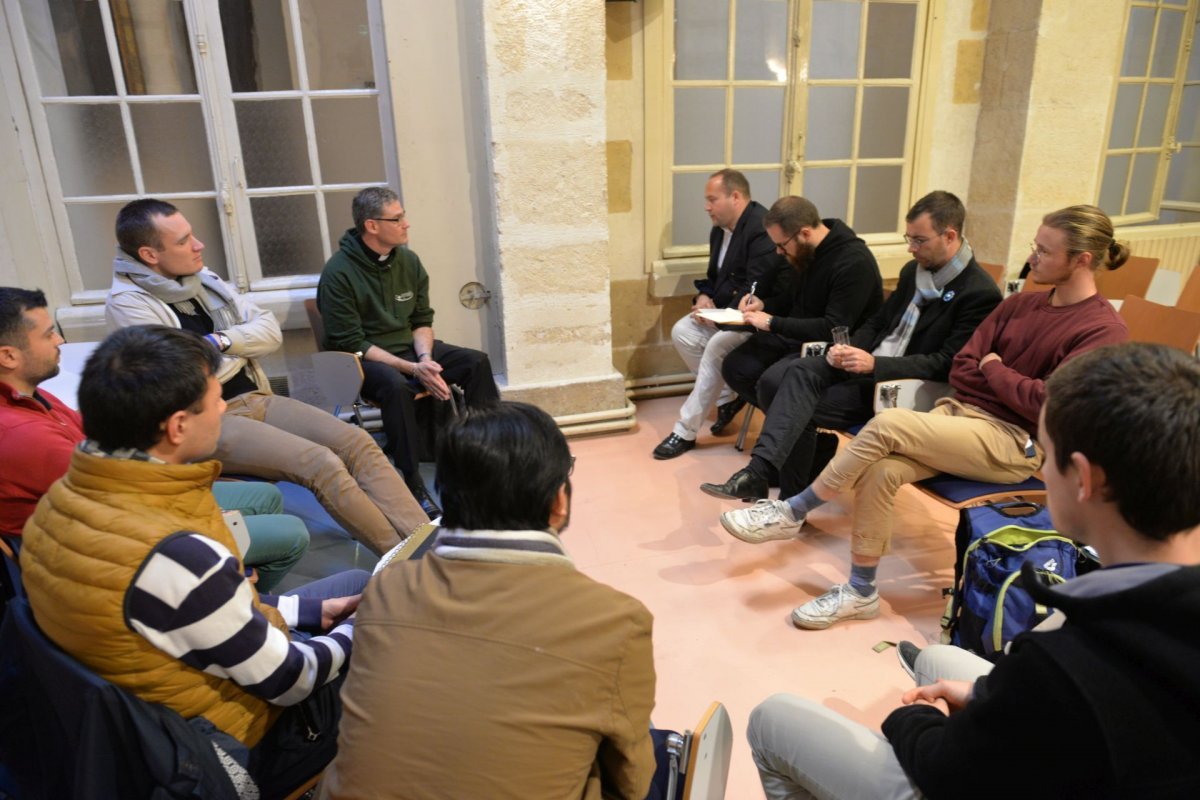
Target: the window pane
pixel 1166 47
pixel 1183 181
pixel 172 146
pixel 877 200
pixel 764 185
pixel 337 211
pixel 830 123
pixel 156 54
pixel 1112 187
pixel 337 44
pixel 92 232
pixel 90 147
pixel 1193 68
pixel 257 36
pixel 699 126
pixel 1154 115
pixel 829 190
pixel 289 236
pixel 67 40
pixel 834 32
pixel 1137 42
pixel 349 140
pixel 689 223
pixel 701 40
pixel 884 122
pixel 757 126
pixel 760 53
pixel 274 144
pixel 1188 128
pixel 890 30
pixel 1129 98
pixel 1141 186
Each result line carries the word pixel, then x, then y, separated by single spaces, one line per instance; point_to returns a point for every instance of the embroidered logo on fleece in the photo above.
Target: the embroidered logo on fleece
pixel 403 298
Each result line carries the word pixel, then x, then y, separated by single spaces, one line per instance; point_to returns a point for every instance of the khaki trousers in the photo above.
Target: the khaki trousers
pixel 899 446
pixel 279 438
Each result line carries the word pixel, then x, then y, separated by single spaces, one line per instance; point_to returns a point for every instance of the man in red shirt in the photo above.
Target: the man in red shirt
pixel 985 432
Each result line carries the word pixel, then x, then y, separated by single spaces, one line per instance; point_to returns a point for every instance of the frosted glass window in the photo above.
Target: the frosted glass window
pixel 699 126
pixel 289 237
pixel 1154 115
pixel 337 210
pixel 760 52
pixel 764 185
pixel 1137 42
pixel 884 122
pixel 92 233
pixel 830 123
pixel 90 147
pixel 890 29
pixel 1129 98
pixel 757 125
pixel 1183 181
pixel 701 39
pixel 173 147
pixel 689 223
pixel 1112 186
pixel 67 40
pixel 337 44
pixel 829 190
pixel 349 139
pixel 1166 47
pixel 1141 184
pixel 834 49
pixel 877 200
pixel 273 142
pixel 1193 67
pixel 1188 127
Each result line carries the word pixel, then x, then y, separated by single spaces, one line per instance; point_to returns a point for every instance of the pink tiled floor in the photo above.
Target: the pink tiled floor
pixel 721 606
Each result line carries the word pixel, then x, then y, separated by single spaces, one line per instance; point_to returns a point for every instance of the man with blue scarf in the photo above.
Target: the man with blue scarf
pixel 942 296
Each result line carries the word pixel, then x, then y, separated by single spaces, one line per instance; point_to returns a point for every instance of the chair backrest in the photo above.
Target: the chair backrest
pixel 1132 278
pixel 315 321
pixel 1170 325
pixel 996 271
pixel 1189 298
pixel 66 732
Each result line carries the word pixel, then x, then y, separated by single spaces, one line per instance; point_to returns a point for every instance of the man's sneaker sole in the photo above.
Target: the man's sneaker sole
pixel 779 536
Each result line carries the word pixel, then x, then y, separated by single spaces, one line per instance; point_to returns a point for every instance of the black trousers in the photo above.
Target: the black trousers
pixel 394 393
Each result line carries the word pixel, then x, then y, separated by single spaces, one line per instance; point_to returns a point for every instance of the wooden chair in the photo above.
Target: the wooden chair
pixel 704 760
pixel 1133 278
pixel 1170 325
pixel 996 271
pixel 1189 298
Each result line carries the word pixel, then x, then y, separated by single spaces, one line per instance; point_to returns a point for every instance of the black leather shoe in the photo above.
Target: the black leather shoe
pixel 672 446
pixel 725 415
pixel 422 496
pixel 742 485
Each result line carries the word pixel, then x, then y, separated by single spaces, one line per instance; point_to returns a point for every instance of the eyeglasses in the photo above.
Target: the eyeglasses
pixel 390 219
pixel 919 241
pixel 1038 251
pixel 782 246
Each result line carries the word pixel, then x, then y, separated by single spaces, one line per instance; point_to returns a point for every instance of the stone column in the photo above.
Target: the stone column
pixel 1048 76
pixel 545 79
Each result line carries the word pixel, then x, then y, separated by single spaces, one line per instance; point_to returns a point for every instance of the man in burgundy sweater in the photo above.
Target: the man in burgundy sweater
pixel 985 432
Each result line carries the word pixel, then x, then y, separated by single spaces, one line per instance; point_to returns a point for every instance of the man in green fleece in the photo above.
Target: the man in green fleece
pixel 374 298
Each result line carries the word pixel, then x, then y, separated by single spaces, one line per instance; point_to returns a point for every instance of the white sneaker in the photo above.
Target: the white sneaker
pixel 840 602
pixel 764 521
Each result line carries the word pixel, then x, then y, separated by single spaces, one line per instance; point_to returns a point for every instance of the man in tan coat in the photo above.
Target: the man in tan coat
pixel 492 667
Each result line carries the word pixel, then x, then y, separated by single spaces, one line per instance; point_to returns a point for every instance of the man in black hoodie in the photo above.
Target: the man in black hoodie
pixel 942 296
pixel 1101 699
pixel 834 281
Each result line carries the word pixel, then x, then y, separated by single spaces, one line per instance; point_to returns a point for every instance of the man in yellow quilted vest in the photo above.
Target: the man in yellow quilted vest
pixel 129 567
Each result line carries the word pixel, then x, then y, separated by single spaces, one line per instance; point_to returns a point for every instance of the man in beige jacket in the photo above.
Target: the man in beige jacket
pixel 492 667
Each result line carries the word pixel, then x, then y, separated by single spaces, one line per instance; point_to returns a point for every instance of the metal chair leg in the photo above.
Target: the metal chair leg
pixel 740 444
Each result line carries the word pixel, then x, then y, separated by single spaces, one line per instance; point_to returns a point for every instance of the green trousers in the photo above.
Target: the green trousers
pixel 277 540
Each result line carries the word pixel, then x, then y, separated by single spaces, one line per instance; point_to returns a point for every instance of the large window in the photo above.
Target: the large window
pixel 1152 162
pixel 260 119
pixel 811 97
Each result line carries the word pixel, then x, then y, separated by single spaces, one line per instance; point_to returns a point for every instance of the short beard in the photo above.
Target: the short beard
pixel 804 256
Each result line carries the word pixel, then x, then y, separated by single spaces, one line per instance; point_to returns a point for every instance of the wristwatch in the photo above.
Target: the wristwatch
pixel 223 341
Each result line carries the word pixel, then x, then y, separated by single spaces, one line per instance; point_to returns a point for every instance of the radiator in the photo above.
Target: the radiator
pixel 1177 247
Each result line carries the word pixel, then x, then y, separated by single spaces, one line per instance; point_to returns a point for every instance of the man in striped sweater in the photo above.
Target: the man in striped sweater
pixel 130 569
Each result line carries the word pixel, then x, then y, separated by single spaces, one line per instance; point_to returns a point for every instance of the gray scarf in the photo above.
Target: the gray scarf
pixel 182 292
pixel 929 286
